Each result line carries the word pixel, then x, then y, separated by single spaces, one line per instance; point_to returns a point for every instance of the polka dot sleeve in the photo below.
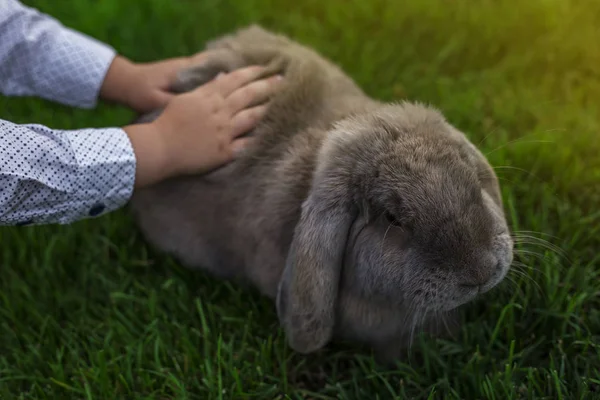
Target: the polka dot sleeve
pixel 40 57
pixel 53 176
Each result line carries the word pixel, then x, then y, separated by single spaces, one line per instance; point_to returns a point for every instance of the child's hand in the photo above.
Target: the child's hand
pixel 199 131
pixel 143 87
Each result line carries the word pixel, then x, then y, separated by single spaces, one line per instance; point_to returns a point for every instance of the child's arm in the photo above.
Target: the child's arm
pixel 40 57
pixel 54 176
pixel 57 176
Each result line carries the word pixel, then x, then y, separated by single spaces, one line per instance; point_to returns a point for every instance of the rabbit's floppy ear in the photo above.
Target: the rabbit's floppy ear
pixel 308 289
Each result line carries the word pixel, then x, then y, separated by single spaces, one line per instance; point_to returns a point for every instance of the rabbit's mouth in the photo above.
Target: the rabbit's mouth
pixel 464 293
pixel 503 247
pixel 467 293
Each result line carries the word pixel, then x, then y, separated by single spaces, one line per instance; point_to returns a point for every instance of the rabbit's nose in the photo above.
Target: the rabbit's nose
pixel 480 273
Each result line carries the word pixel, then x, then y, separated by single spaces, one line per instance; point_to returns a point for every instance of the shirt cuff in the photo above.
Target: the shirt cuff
pixel 53 176
pixel 106 164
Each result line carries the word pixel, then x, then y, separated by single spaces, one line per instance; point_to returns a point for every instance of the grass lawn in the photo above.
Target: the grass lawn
pixel 88 311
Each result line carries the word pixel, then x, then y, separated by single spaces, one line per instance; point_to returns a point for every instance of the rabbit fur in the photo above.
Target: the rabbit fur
pixel 363 220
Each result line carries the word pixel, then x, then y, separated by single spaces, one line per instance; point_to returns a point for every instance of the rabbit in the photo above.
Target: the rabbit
pixel 361 220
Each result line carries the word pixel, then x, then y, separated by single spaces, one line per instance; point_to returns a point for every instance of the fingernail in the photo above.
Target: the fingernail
pixel 220 75
pixel 240 146
pixel 279 77
pixel 238 150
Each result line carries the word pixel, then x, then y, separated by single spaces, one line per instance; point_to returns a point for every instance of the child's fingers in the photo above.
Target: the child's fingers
pixel 161 99
pixel 254 93
pixel 238 146
pixel 247 120
pixel 230 82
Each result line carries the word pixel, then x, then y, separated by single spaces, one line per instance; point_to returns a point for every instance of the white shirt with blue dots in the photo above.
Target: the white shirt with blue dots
pixel 49 175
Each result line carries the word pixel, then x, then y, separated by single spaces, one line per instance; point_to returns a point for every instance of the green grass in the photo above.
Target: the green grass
pixel 88 311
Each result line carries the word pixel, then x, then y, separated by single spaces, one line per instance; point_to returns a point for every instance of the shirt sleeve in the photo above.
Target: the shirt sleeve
pixel 53 176
pixel 40 57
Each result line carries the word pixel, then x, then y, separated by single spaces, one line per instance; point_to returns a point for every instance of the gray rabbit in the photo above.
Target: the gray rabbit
pixel 362 220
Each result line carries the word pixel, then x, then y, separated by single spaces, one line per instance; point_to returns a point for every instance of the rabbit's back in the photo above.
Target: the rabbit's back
pixel 239 220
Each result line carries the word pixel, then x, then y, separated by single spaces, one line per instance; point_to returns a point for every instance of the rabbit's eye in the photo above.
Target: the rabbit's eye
pixel 392 219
